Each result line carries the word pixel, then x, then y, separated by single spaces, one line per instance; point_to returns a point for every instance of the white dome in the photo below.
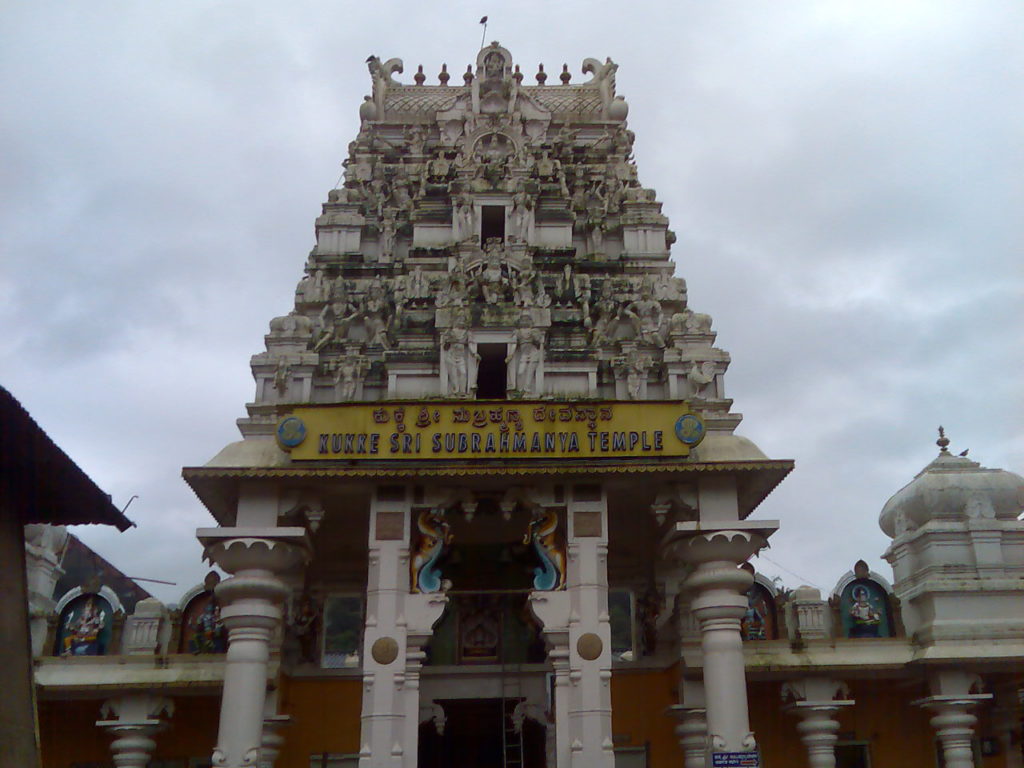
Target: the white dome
pixel 953 488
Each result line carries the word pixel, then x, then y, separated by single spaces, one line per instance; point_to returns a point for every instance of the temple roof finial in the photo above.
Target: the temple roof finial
pixel 943 441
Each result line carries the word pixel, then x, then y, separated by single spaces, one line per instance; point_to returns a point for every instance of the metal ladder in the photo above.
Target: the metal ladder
pixel 511 740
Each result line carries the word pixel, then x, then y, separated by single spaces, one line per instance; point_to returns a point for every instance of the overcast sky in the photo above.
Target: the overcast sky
pixel 846 181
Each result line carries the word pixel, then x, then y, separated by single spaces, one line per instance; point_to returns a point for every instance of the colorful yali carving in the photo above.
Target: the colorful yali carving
pixel 86 626
pixel 541 535
pixel 864 608
pixel 434 537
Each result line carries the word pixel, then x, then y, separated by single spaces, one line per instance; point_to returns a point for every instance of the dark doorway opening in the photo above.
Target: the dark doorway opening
pixel 479 733
pixel 492 374
pixel 492 223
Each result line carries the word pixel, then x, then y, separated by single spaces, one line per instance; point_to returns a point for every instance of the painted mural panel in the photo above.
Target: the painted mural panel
pixel 864 608
pixel 759 621
pixel 85 627
pixel 201 627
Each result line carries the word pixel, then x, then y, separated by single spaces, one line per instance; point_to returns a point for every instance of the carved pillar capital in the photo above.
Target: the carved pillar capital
pixel 692 733
pixel 954 721
pixel 816 701
pixel 717 586
pixel 133 720
pixel 251 609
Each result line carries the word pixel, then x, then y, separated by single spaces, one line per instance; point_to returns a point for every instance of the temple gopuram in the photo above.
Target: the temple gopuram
pixel 490 508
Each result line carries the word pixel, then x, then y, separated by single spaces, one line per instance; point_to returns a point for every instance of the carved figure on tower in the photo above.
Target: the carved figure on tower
pixel 524 356
pixel 646 316
pixel 459 360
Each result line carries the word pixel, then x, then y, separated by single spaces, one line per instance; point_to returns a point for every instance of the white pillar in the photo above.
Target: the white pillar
pixel 692 733
pixel 816 701
pixel 692 730
pixel 718 587
pixel 251 610
pixel 953 703
pixel 552 611
pixel 273 724
pixel 577 633
pixel 590 653
pixel 133 720
pixel 398 624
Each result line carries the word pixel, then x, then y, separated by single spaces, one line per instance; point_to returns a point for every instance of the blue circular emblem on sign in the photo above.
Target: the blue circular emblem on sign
pixel 689 429
pixel 291 431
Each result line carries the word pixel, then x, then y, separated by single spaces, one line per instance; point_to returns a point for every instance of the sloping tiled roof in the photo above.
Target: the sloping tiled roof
pixel 39 482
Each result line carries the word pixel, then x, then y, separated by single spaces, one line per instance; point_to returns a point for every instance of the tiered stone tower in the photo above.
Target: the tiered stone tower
pixel 490 372
pixel 482 221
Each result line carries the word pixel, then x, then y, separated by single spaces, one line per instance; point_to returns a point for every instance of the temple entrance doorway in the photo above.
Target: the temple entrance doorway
pixel 479 733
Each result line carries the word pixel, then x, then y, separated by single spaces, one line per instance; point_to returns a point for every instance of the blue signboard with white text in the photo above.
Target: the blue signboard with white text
pixel 735 760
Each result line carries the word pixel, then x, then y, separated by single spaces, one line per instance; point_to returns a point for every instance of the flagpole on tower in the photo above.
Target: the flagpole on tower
pixel 483 35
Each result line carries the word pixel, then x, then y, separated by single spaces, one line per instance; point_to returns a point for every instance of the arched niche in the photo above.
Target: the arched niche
pixel 201 627
pixel 85 622
pixel 761 619
pixel 864 600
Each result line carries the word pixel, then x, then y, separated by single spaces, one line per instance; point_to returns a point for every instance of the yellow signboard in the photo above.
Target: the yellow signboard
pixel 515 429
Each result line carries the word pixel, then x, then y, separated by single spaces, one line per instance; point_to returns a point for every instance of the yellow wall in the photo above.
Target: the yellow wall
pixel 68 731
pixel 899 733
pixel 325 718
pixel 640 702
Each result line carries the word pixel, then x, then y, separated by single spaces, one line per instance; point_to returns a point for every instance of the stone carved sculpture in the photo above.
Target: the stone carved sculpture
pixel 492 280
pixel 292 324
pixel 464 220
pixel 702 379
pixel 388 234
pixel 374 316
pixel 282 376
pixel 634 369
pixel 334 321
pixel 520 216
pixel 348 373
pixel 524 356
pixel 417 285
pixel 646 317
pixel 460 359
pixel 604 316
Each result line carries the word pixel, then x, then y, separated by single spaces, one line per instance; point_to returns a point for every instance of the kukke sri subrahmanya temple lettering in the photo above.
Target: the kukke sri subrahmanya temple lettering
pixel 528 431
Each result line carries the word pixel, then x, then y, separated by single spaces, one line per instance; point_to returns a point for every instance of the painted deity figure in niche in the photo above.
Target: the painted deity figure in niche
pixel 82 631
pixel 865 618
pixel 208 635
pixel 753 625
pixel 458 357
pixel 524 355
